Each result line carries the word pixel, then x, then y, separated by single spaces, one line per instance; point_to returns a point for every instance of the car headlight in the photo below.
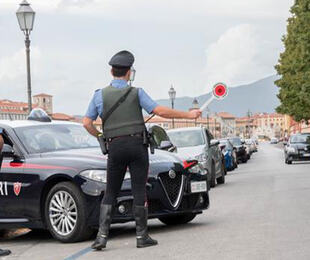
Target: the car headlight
pixel 291 150
pixel 99 175
pixel 198 169
pixel 201 157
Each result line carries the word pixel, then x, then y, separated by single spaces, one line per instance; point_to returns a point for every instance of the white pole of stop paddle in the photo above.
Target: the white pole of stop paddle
pixel 206 104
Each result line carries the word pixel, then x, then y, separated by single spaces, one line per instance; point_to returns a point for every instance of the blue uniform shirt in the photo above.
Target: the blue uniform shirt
pixel 95 107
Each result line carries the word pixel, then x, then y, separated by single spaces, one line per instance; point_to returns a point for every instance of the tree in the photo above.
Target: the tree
pixel 294 64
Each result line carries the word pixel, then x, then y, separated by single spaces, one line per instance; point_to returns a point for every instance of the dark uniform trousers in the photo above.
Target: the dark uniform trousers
pixel 127 152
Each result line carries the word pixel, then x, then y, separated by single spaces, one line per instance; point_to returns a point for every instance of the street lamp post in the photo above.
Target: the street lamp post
pixel 172 94
pixel 25 16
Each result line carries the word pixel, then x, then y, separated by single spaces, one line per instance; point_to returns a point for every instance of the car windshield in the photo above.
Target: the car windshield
pixel 186 138
pixel 300 139
pixel 50 138
pixel 226 143
pixel 236 141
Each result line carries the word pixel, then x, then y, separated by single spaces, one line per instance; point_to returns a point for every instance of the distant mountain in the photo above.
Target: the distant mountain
pixel 260 96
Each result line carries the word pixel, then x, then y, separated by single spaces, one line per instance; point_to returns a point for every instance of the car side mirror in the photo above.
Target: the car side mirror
pixel 165 145
pixel 242 142
pixel 214 142
pixel 8 151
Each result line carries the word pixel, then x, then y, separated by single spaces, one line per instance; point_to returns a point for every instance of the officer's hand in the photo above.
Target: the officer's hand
pixel 194 114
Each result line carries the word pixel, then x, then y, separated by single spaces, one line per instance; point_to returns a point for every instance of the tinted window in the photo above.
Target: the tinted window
pixel 187 138
pixel 49 138
pixel 236 141
pixel 159 135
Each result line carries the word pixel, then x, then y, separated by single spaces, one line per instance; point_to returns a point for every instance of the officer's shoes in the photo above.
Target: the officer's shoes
pixel 100 243
pixel 4 252
pixel 146 241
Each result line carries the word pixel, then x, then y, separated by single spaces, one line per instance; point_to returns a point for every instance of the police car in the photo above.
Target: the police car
pixel 53 177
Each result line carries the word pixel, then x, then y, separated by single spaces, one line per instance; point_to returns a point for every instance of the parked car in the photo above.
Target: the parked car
pixel 274 140
pixel 251 146
pixel 241 152
pixel 297 148
pixel 54 177
pixel 229 153
pixel 198 143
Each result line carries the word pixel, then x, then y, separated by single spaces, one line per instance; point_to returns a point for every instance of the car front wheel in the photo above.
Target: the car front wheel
pixel 65 213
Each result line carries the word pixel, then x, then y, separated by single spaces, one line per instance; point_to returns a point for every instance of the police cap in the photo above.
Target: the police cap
pixel 122 59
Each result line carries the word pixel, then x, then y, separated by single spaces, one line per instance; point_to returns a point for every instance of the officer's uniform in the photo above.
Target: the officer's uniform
pixel 124 132
pixel 2 252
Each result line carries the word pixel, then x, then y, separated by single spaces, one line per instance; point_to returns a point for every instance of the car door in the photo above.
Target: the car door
pixel 216 154
pixel 11 183
pixel 208 149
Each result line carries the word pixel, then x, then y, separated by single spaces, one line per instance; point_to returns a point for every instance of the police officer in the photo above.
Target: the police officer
pixel 2 252
pixel 124 131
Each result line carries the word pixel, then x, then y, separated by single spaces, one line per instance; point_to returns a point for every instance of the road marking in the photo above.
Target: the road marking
pixel 79 254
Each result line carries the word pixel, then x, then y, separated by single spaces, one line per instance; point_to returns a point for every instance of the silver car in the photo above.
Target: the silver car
pixel 198 143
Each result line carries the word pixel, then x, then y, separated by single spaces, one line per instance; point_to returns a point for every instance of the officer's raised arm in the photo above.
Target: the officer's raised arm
pixel 167 112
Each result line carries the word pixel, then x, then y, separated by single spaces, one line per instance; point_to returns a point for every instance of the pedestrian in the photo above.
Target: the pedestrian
pixel 2 252
pixel 124 130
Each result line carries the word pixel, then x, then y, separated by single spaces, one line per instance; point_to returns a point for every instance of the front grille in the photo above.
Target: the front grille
pixel 172 186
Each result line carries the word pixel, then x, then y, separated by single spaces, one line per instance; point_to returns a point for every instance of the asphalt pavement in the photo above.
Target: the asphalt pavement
pixel 261 212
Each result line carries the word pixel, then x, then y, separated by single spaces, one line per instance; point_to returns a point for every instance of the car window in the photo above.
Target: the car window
pixel 159 135
pixel 236 141
pixel 49 138
pixel 300 139
pixel 187 138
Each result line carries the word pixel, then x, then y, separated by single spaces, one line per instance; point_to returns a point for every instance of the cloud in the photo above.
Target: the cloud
pixel 14 66
pixel 172 9
pixel 236 57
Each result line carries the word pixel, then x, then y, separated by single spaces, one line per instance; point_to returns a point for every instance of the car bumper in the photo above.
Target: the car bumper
pixel 298 157
pixel 159 201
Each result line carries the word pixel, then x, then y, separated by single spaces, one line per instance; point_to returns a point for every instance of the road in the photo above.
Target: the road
pixel 261 212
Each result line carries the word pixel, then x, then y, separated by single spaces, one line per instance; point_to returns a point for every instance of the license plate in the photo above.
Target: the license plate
pixel 198 186
pixel 306 154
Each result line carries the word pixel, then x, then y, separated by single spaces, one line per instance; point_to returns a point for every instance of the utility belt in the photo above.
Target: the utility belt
pixel 147 140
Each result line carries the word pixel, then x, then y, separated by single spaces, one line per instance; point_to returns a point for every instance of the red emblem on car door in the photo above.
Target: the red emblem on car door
pixel 17 188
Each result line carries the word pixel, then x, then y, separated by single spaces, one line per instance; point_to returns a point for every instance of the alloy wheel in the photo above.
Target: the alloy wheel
pixel 63 213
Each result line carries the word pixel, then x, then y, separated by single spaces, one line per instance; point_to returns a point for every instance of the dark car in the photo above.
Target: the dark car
pixel 297 148
pixel 54 177
pixel 242 155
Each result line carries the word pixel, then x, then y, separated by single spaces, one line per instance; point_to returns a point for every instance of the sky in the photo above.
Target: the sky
pixel 188 44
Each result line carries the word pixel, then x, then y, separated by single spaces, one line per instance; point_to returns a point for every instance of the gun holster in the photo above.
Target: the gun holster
pixel 103 144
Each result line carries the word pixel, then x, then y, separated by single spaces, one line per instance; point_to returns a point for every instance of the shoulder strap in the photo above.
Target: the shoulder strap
pixel 116 105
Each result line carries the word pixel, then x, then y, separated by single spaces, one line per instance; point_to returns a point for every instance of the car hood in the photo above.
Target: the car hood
pixel 92 158
pixel 190 152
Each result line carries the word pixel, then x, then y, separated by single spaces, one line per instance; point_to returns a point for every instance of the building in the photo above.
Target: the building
pixel 11 110
pixel 227 123
pixel 245 126
pixel 44 101
pixel 271 125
